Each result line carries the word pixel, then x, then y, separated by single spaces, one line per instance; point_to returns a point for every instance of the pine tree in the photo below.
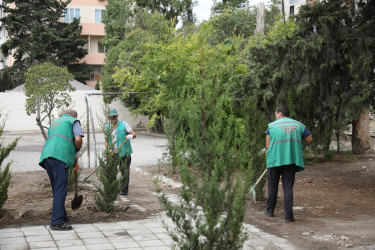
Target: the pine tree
pixel 5 174
pixel 109 187
pixel 212 204
pixel 36 35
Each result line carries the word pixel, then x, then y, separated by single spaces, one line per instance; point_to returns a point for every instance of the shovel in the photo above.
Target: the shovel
pixel 252 190
pixel 92 172
pixel 77 200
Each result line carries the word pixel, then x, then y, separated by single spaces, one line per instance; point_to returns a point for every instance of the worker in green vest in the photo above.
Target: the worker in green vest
pixel 58 157
pixel 284 158
pixel 118 132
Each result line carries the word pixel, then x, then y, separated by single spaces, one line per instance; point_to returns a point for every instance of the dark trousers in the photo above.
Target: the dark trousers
pixel 287 173
pixel 125 172
pixel 58 173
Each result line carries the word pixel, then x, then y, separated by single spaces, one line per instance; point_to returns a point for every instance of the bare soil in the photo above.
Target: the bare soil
pixel 334 204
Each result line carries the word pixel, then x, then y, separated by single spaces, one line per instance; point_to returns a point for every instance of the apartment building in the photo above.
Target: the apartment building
pixel 291 7
pixel 90 12
pixel 4 61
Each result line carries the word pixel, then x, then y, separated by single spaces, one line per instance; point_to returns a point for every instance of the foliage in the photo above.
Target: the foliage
pixel 232 22
pixel 5 174
pixel 47 85
pixel 171 9
pixel 6 82
pixel 80 71
pixel 37 35
pixel 222 5
pixel 211 208
pixel 310 68
pixel 109 187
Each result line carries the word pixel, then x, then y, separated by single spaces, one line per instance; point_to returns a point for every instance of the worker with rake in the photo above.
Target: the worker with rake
pixel 284 157
pixel 118 134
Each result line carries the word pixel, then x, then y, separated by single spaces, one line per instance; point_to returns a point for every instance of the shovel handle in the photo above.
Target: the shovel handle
pixel 75 183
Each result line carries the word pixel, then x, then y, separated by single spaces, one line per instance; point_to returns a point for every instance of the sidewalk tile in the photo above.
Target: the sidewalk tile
pixel 64 236
pixel 138 231
pixel 10 230
pixel 35 238
pixel 86 229
pixel 163 236
pixel 128 244
pixel 36 232
pixel 14 246
pixel 130 225
pixel 91 241
pixel 11 234
pixel 13 240
pixel 120 239
pixel 286 246
pixel 157 248
pixel 100 247
pixel 153 225
pixel 118 233
pixel 143 237
pixel 42 244
pixel 83 235
pixel 151 243
pixel 67 242
pixel 73 248
pixel 108 226
pixel 158 230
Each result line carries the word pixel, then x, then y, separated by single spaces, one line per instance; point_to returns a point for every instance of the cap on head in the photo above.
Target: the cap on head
pixel 113 112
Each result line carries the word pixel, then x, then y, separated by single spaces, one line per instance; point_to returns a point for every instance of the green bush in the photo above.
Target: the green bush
pixel 5 174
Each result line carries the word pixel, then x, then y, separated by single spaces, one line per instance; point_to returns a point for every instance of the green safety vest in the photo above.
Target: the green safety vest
pixel 285 143
pixel 121 134
pixel 60 142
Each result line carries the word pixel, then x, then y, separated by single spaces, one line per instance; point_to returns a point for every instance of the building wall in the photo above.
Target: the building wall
pixel 12 104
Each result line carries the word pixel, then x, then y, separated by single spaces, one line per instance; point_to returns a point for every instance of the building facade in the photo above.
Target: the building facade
pixel 90 13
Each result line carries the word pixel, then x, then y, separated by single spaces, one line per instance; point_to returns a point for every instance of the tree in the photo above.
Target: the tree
pixel 220 6
pixel 37 35
pixel 172 9
pixel 5 174
pixel 46 88
pixel 310 68
pixel 6 82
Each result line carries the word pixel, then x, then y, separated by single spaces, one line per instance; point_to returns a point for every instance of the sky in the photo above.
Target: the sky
pixel 203 8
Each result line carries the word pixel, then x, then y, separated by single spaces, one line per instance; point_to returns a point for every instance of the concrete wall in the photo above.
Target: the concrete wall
pixel 12 104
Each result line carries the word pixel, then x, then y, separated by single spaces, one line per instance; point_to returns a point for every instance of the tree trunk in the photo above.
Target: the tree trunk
pixel 361 134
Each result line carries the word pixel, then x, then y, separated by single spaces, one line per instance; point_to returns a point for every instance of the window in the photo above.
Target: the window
pixel 101 48
pixel 71 13
pixel 99 15
pixel 94 76
pixel 291 11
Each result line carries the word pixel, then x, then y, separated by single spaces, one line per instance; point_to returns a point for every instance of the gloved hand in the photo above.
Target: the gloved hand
pixel 129 137
pixel 75 168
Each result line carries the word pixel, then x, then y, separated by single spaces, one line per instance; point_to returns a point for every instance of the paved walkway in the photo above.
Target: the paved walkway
pixel 141 234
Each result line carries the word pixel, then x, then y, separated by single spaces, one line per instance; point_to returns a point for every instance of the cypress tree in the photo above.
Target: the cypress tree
pixel 5 174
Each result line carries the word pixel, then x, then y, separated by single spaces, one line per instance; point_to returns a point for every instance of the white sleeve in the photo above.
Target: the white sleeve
pixel 127 127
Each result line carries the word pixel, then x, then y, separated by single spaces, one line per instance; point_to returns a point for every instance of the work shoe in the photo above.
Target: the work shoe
pixel 67 219
pixel 269 214
pixel 290 220
pixel 123 193
pixel 61 227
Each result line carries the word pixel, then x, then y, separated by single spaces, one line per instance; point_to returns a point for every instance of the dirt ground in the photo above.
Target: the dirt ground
pixel 334 204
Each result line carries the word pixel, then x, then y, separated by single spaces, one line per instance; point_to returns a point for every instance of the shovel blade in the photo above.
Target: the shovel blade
pixel 77 201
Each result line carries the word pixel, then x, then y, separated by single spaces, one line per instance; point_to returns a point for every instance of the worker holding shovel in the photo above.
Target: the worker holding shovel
pixel 118 135
pixel 58 156
pixel 284 157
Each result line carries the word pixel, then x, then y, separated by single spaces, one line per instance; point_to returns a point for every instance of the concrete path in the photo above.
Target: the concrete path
pixel 141 234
